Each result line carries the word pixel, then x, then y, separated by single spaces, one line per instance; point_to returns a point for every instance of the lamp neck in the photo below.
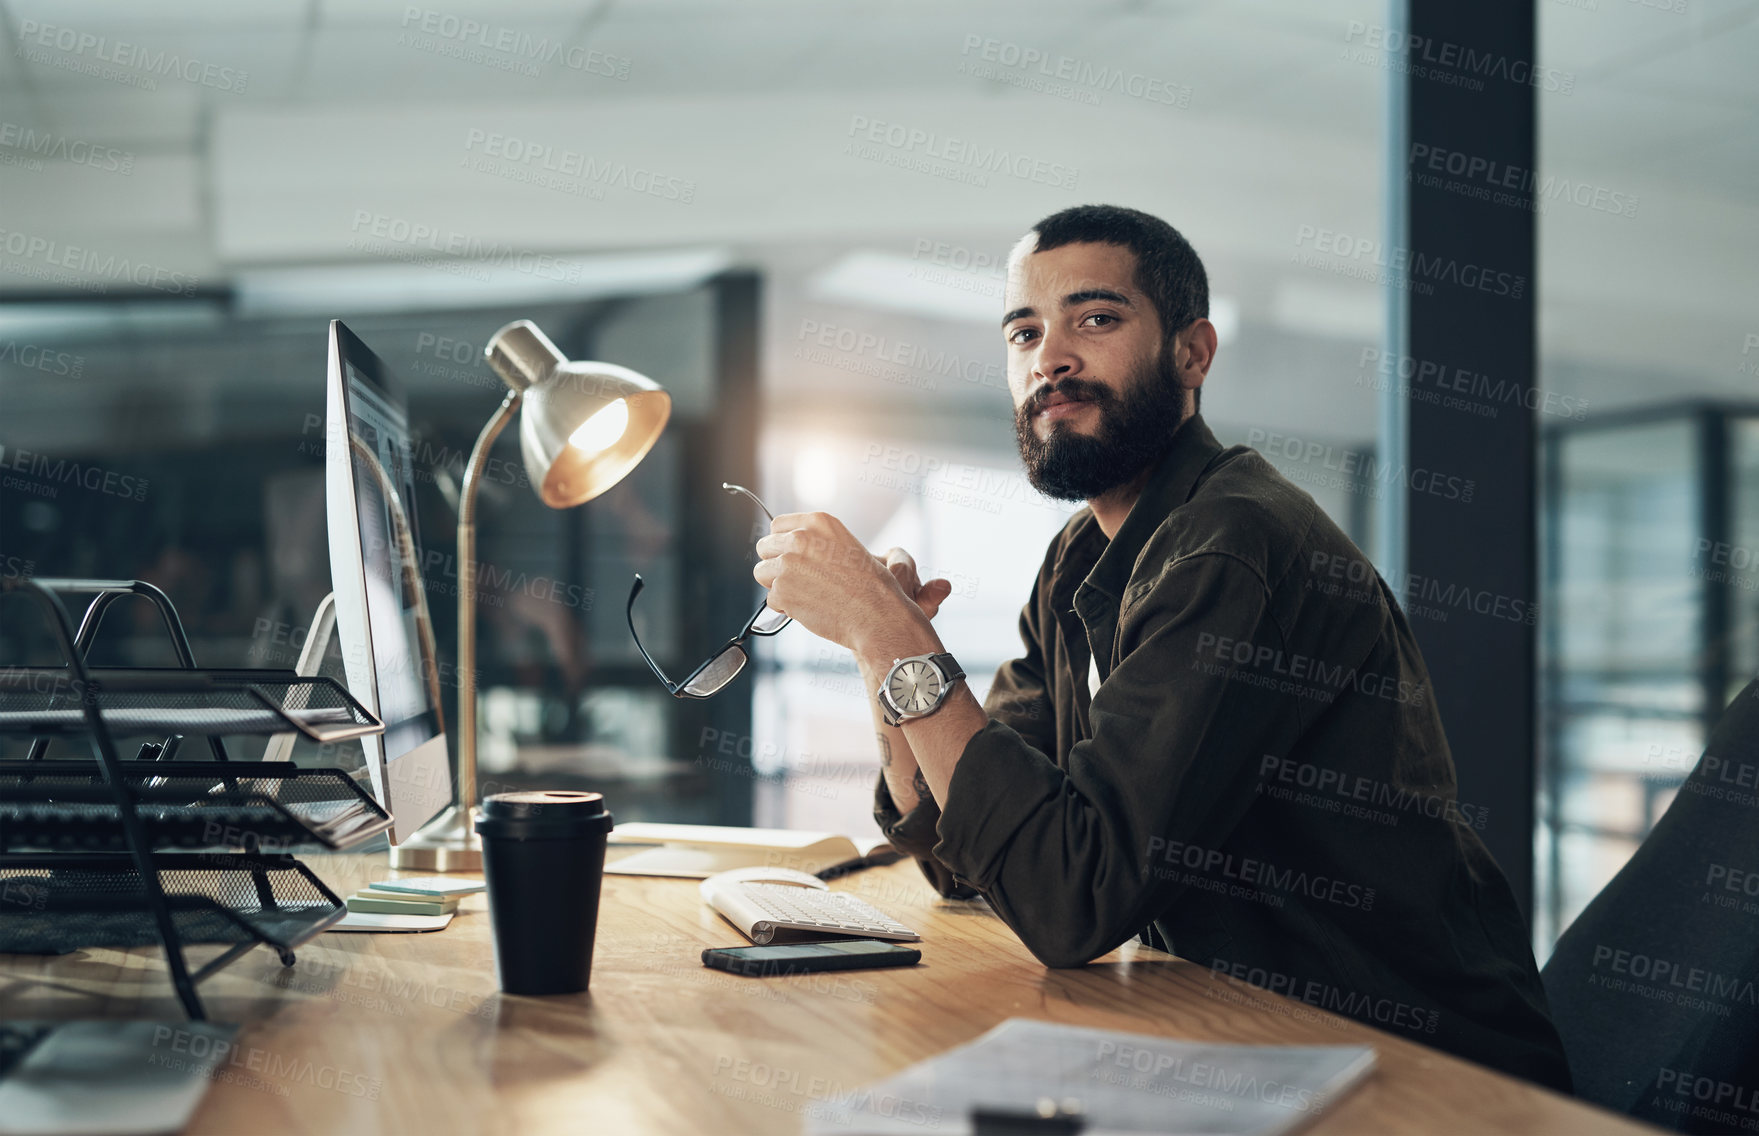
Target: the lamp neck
pixel 479 457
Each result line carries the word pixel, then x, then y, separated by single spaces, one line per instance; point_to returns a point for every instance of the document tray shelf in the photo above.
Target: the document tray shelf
pixel 162 701
pixel 57 904
pixel 256 806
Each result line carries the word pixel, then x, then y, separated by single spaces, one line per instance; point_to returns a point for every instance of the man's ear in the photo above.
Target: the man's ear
pixel 1193 351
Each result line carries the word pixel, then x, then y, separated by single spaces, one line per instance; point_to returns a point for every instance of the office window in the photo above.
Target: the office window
pixel 1650 511
pixel 1624 637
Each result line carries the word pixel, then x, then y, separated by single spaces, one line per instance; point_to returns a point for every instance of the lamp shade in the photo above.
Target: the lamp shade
pixel 582 426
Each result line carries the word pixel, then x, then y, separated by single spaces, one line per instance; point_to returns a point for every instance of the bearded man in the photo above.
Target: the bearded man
pixel 1206 742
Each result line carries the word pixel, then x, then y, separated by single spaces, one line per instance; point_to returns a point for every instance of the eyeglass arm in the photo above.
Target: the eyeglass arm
pixel 629 613
pixel 731 488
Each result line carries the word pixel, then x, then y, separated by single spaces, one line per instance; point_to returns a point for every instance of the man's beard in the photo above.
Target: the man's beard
pixel 1134 429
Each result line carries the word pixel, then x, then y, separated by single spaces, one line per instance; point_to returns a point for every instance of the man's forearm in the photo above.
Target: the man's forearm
pixel 897 763
pixel 934 743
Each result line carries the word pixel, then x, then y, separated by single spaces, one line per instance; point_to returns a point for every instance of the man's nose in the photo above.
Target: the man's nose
pixel 1053 363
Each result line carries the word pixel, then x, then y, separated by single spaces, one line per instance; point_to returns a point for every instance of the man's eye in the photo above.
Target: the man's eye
pixel 1014 336
pixel 1109 318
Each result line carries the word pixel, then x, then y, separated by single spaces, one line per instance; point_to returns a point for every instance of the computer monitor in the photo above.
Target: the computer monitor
pixel 382 621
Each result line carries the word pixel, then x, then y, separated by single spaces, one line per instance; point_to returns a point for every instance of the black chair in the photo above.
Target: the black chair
pixel 1655 988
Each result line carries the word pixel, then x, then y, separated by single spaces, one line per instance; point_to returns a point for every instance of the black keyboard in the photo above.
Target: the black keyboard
pixel 17 1039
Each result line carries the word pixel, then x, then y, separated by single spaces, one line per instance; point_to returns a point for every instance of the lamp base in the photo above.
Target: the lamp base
pixel 448 843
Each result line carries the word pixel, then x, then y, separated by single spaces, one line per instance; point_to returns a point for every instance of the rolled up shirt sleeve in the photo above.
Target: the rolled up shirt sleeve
pixel 913 834
pixel 1074 858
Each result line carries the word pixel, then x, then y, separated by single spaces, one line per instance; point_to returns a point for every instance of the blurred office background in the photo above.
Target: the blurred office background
pixel 763 207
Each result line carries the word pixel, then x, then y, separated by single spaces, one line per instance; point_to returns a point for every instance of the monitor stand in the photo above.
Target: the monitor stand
pixel 448 843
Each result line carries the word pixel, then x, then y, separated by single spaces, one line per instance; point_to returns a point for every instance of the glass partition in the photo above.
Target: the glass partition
pixel 1649 618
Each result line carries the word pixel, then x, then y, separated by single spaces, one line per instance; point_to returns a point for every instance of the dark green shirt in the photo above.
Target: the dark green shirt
pixel 1259 782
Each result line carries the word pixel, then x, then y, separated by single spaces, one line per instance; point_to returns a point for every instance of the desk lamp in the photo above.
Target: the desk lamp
pixel 585 426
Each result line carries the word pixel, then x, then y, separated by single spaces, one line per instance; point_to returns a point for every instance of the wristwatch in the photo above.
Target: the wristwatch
pixel 916 687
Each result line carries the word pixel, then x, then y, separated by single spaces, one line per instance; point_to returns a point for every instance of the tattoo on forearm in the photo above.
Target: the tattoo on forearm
pixel 920 784
pixel 885 744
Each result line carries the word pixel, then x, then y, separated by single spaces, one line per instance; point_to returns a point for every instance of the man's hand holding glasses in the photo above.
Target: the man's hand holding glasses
pixel 818 573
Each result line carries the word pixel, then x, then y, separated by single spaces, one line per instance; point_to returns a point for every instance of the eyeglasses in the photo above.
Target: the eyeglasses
pixel 724 665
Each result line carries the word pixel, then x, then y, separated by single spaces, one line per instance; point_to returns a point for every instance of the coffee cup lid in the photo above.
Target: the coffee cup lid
pixel 536 802
pixel 543 812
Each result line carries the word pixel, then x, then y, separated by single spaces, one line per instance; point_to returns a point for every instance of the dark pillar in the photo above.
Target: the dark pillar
pixel 1472 83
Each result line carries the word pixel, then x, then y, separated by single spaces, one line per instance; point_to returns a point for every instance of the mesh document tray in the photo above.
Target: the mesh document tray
pixel 45 701
pixel 57 904
pixel 256 805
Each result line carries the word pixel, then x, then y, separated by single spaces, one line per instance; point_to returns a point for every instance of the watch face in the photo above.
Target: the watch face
pixel 914 686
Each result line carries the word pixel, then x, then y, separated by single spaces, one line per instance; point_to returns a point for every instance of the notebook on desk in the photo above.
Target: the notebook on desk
pixel 698 851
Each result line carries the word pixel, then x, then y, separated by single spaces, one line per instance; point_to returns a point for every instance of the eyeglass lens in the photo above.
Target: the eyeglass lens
pixel 719 671
pixel 768 622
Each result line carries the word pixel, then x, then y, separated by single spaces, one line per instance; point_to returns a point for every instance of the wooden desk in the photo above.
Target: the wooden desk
pixel 406 1033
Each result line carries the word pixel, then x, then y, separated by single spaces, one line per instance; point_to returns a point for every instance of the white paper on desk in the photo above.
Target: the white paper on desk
pixel 698 851
pixel 1125 1083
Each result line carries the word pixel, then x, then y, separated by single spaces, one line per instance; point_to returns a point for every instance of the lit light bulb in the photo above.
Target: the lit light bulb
pixel 601 430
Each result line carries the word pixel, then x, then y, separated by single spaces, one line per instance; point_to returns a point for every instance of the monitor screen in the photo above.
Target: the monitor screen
pixel 390 544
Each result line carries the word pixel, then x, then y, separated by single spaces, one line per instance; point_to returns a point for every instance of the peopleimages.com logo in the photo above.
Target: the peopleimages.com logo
pixel 1369 259
pixel 46 360
pixel 560 167
pixel 61 148
pixel 1067 76
pixel 399 238
pixel 91 53
pixel 45 253
pixel 933 152
pixel 1356 468
pixel 41 472
pixel 496 45
pixel 1458 64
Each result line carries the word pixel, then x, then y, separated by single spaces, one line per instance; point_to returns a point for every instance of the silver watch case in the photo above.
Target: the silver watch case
pixel 892 714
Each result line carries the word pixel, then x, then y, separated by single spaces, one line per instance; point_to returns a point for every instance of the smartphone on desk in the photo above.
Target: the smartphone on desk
pixel 809 958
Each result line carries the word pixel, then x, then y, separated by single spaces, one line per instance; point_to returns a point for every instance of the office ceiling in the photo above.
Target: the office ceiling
pixel 357 117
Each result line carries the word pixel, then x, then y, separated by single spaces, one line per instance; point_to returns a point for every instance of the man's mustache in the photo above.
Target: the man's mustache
pixel 1075 390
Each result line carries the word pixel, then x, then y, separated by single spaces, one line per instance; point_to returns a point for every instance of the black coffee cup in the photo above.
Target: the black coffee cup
pixel 544 861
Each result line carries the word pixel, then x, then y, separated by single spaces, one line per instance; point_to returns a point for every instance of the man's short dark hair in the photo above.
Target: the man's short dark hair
pixel 1168 269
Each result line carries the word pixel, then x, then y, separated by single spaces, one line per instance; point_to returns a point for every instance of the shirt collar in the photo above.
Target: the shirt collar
pixel 1170 485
